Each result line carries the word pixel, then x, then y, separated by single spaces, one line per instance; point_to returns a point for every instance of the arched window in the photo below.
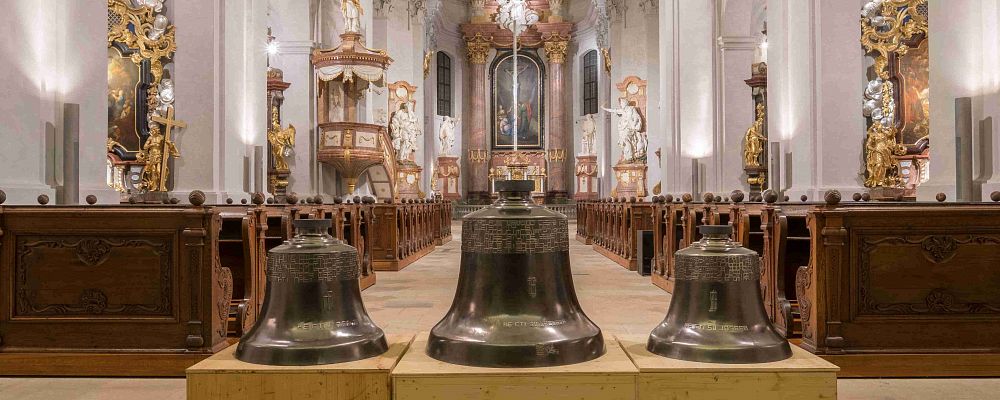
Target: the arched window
pixel 590 82
pixel 444 84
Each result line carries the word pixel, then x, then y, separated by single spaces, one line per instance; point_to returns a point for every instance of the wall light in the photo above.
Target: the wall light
pixel 272 48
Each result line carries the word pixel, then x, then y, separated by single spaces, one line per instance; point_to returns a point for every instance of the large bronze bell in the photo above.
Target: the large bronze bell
pixel 515 305
pixel 716 314
pixel 312 312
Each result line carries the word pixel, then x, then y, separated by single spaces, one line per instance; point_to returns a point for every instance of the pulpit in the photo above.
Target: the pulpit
pixel 354 148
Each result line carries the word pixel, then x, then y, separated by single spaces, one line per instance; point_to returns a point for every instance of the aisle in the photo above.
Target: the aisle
pixel 414 299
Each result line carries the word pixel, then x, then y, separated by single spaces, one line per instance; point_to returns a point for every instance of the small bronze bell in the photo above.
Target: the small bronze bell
pixel 716 314
pixel 312 312
pixel 515 305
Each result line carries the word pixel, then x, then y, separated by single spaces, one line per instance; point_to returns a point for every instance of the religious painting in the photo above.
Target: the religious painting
pixel 125 85
pixel 528 112
pixel 914 76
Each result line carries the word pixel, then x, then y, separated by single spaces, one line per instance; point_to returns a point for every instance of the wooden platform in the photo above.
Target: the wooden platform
pixel 804 376
pixel 419 377
pixel 223 377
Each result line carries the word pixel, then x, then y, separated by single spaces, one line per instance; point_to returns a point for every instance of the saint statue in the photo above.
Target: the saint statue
pixel 881 165
pixel 589 128
pixel 754 140
pixel 447 135
pixel 404 130
pixel 352 11
pixel 282 141
pixel 630 138
pixel 155 153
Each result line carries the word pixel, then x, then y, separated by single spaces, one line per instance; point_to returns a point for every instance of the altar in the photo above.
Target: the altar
pixel 520 165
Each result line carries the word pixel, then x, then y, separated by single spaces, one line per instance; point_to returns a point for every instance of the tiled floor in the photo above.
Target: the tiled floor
pixel 414 299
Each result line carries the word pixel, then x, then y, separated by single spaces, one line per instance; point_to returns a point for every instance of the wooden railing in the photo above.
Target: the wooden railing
pixel 611 226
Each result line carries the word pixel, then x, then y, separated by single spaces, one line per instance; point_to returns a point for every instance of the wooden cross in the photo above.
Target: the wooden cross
pixel 168 124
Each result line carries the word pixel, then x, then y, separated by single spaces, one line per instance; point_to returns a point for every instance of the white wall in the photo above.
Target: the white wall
pixel 815 82
pixel 963 63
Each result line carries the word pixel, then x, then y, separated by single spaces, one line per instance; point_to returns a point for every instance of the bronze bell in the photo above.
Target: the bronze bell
pixel 312 312
pixel 716 313
pixel 515 305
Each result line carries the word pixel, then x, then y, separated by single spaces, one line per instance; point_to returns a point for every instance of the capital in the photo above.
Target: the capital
pixel 555 50
pixel 478 48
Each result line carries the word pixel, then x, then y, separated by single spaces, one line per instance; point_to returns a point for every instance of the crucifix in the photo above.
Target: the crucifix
pixel 164 147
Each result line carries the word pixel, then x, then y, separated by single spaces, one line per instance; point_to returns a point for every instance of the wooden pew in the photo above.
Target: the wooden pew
pixel 676 227
pixel 352 223
pixel 130 290
pixel 903 289
pixel 612 226
pixel 405 232
pixel 583 211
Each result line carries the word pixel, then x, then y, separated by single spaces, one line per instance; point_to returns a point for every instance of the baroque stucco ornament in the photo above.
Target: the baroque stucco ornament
pixel 886 28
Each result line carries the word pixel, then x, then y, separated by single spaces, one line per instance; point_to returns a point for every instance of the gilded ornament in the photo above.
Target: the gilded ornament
pixel 753 142
pixel 606 55
pixel 479 48
pixel 555 50
pixel 887 26
pixel 282 141
pixel 157 150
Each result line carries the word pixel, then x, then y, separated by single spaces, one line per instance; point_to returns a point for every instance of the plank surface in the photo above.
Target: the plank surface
pixel 225 362
pixel 801 361
pixel 416 362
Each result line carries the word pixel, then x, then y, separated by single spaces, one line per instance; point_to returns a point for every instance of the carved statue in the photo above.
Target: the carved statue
pixel 630 138
pixel 753 142
pixel 881 165
pixel 156 5
pixel 447 135
pixel 589 128
pixel 405 129
pixel 556 6
pixel 156 153
pixel 478 8
pixel 352 11
pixel 282 141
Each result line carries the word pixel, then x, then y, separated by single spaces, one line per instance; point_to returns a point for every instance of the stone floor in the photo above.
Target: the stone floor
pixel 414 299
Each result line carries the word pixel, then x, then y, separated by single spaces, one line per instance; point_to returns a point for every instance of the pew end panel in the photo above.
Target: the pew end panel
pixel 890 284
pixel 106 287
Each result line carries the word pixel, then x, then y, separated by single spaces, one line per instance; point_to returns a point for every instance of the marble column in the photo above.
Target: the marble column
pixel 555 51
pixel 478 49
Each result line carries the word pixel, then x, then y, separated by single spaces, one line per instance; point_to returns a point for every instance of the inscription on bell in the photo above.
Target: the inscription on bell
pixel 545 350
pixel 714 326
pixel 325 325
